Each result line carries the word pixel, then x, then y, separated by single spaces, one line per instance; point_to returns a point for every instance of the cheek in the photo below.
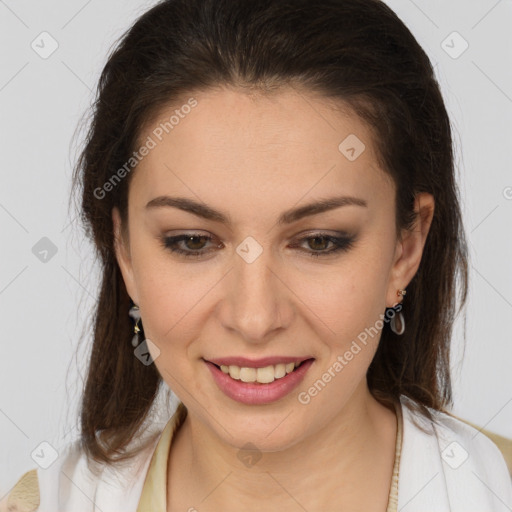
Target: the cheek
pixel 169 297
pixel 352 306
pixel 347 299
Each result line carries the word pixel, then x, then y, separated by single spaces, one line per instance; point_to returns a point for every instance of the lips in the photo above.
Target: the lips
pixel 257 393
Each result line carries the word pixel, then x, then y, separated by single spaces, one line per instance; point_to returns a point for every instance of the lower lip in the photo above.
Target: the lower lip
pixel 252 393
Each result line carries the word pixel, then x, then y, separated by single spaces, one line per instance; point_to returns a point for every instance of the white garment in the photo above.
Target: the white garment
pixel 453 468
pixel 436 476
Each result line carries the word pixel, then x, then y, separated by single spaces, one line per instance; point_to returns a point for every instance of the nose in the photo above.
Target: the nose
pixel 256 303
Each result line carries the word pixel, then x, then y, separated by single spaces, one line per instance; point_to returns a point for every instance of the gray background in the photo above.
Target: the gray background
pixel 45 305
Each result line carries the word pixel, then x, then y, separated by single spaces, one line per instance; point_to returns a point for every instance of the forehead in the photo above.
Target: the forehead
pixel 284 145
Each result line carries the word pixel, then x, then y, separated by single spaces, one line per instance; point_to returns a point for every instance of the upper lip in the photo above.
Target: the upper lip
pixel 244 362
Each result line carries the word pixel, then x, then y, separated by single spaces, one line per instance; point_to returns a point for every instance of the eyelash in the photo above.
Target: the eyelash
pixel 341 244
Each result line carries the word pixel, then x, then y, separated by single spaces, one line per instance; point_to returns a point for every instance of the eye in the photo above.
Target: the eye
pixel 194 244
pixel 318 243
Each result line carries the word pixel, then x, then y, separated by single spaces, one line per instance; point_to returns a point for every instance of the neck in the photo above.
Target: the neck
pixel 335 461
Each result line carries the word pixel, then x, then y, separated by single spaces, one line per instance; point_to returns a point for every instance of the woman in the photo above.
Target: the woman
pixel 270 188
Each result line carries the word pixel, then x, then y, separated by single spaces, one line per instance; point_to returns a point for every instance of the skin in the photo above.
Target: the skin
pixel 253 157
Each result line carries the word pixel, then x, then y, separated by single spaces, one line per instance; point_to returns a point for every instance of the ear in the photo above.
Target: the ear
pixel 122 250
pixel 409 250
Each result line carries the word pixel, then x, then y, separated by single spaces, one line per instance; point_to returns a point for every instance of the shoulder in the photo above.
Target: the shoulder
pixel 73 481
pixel 24 496
pixel 32 486
pixel 468 467
pixel 454 434
pixel 504 444
pixel 446 463
pixel 450 428
pixel 474 442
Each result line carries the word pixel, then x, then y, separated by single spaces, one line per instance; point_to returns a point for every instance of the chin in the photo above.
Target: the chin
pixel 272 433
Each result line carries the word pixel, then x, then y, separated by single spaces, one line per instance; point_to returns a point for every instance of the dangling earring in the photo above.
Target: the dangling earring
pixel 397 322
pixel 135 314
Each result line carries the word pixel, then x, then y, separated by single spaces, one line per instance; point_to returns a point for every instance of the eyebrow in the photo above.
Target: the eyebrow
pixel 287 217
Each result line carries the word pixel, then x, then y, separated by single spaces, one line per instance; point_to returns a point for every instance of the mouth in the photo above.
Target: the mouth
pixel 258 385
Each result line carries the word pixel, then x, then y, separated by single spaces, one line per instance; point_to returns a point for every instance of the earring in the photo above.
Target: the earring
pixel 397 322
pixel 135 314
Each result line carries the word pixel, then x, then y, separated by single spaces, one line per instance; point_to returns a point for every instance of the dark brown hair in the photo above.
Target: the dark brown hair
pixel 354 52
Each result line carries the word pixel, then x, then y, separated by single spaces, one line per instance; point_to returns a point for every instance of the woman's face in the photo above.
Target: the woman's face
pixel 260 278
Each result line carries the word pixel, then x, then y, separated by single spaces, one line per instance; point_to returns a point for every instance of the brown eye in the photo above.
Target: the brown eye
pixel 195 242
pixel 188 244
pixel 317 245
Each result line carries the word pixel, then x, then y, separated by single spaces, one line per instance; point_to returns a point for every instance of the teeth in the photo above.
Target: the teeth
pixel 248 374
pixel 262 375
pixel 234 372
pixel 265 375
pixel 279 370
